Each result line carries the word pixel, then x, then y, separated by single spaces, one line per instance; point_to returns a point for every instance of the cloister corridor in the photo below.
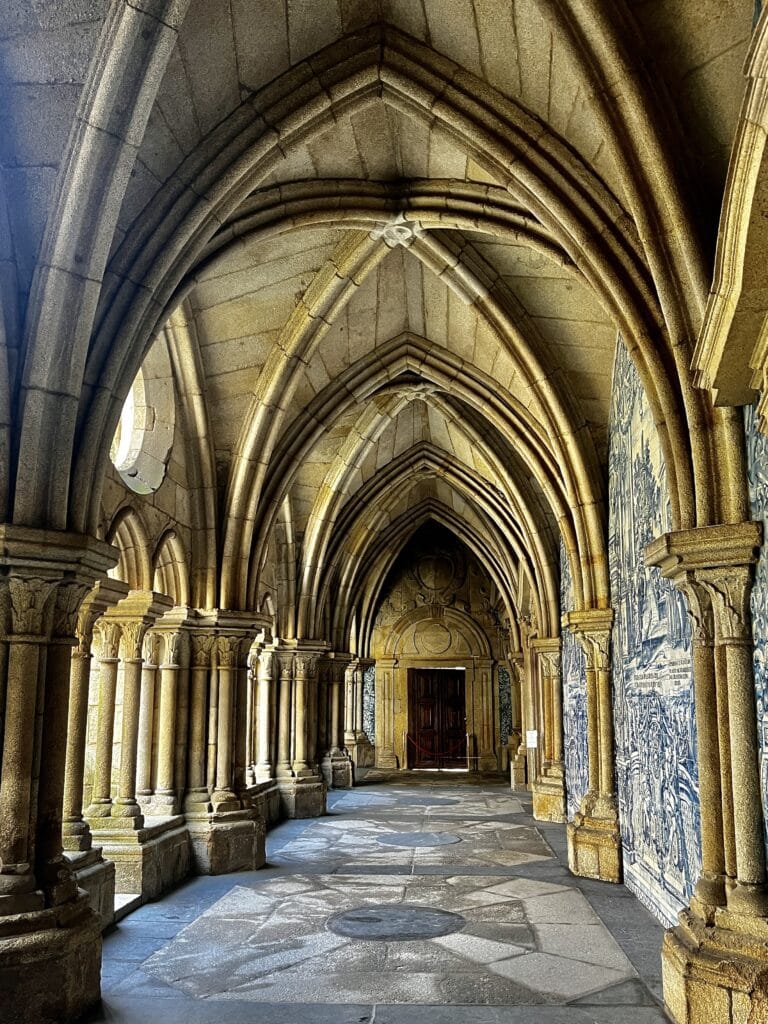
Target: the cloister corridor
pixel 420 898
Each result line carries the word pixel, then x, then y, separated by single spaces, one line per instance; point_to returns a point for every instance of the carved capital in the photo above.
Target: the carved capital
pixel 265 666
pixel 29 607
pixel 69 598
pixel 151 649
pixel 109 639
pixel 304 665
pixel 596 645
pixel 699 606
pixel 285 666
pixel 730 588
pixel 133 638
pixel 228 649
pixel 202 645
pixel 173 646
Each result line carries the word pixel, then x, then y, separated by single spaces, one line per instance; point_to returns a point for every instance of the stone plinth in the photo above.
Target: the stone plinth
pixel 50 964
pixel 517 771
pixel 149 860
pixel 362 751
pixel 338 771
pixel 549 802
pixel 97 877
pixel 227 841
pixel 716 972
pixel 303 798
pixel 594 845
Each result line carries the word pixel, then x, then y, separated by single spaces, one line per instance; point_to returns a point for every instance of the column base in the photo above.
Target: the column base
pixel 386 759
pixel 338 771
pixel 716 972
pixel 302 798
pixel 76 836
pixel 362 751
pixel 50 964
pixel 549 802
pixel 594 841
pixel 518 771
pixel 231 841
pixel 97 877
pixel 150 860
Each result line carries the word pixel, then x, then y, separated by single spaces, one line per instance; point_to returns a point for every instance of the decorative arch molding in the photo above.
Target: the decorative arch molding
pixel 465 637
pixel 183 344
pixel 170 569
pixel 129 535
pixel 437 367
pixel 125 74
pixel 360 522
pixel 731 357
pixel 583 215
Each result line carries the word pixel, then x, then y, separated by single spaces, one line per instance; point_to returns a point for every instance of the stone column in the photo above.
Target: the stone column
pixel 304 669
pixel 228 650
pixel 336 766
pixel 349 704
pixel 151 661
pixel 165 799
pixel 710 888
pixel 386 756
pixel 715 962
pixel 196 799
pixel 75 829
pixel 52 871
pixel 50 936
pixel 265 753
pixel 285 666
pixel 730 588
pixel 125 805
pixel 594 841
pixel 242 713
pixel 549 797
pixel 518 768
pixel 100 806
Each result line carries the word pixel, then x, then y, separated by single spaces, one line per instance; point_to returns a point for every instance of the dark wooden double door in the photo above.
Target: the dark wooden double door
pixel 437 735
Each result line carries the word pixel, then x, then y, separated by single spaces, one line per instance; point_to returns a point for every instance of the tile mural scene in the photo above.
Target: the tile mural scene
pixel 369 702
pixel 573 671
pixel 757 474
pixel 657 778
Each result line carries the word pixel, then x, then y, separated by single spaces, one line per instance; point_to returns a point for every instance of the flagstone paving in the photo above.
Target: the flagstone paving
pixel 403 904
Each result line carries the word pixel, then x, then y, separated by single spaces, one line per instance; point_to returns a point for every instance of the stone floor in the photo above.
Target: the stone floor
pixel 405 903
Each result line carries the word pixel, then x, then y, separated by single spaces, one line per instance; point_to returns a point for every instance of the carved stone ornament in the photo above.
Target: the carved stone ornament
pixel 29 598
pixel 596 645
pixel 730 589
pixel 202 645
pixel 228 648
pixel 397 231
pixel 699 607
pixel 285 665
pixel 173 645
pixel 109 639
pixel 305 665
pixel 265 666
pixel 133 636
pixel 151 649
pixel 69 597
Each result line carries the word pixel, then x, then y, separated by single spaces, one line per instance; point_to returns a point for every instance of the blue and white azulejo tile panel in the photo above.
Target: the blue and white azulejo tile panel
pixel 654 715
pixel 574 699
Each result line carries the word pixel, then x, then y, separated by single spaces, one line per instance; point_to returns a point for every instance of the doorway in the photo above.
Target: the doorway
pixel 437 736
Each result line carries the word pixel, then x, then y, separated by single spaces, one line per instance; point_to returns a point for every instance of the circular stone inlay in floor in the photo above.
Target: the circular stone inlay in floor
pixel 401 923
pixel 418 839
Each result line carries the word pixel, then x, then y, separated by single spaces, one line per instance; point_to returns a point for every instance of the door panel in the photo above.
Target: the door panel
pixel 436 716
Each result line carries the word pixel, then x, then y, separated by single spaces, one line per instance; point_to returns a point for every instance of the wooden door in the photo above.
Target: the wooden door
pixel 437 733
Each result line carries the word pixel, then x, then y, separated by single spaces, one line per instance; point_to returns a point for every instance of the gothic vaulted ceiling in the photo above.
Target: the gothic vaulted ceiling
pixel 396 240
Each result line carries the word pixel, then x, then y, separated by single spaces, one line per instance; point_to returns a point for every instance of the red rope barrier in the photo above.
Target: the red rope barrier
pixel 432 753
